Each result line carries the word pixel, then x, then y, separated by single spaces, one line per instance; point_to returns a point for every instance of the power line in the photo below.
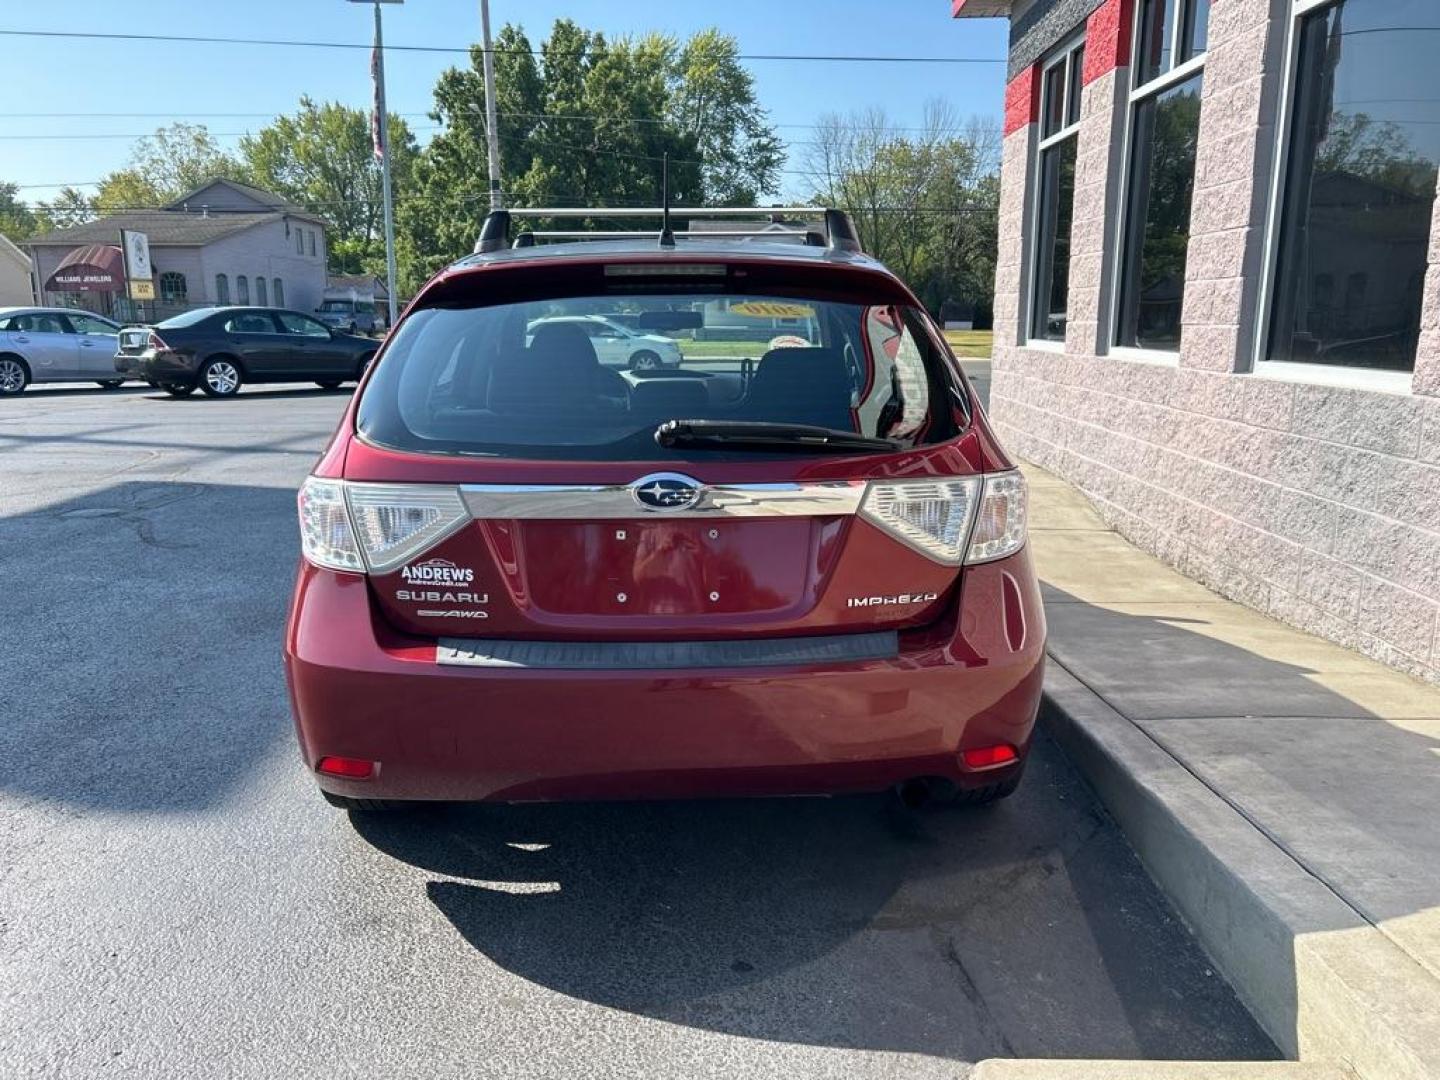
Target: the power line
pixel 451 49
pixel 275 115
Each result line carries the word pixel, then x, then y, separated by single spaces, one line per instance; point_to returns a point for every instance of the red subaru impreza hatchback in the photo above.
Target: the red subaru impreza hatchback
pixel 794 563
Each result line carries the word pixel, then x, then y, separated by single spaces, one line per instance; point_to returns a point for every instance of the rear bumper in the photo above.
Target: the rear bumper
pixel 163 366
pixel 446 732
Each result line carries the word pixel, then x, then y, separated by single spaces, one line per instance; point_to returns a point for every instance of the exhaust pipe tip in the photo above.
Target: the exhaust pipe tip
pixel 920 791
pixel 913 793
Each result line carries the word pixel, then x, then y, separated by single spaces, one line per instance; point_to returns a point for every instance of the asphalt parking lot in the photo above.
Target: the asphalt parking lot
pixel 176 900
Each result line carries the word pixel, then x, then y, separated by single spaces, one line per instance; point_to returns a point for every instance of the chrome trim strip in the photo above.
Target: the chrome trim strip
pixel 666 655
pixel 593 502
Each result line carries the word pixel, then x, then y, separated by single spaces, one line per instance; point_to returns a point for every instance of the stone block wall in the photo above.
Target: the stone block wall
pixel 1317 504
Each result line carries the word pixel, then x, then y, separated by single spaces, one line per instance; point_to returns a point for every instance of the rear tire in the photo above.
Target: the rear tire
pixel 14 375
pixel 178 389
pixel 110 384
pixel 363 806
pixel 327 384
pixel 220 377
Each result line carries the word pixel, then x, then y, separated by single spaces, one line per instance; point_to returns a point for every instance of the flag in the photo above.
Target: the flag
pixel 375 112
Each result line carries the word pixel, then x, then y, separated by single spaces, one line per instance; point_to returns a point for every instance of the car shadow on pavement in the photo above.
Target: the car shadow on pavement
pixel 142 626
pixel 844 922
pixel 259 392
pixel 65 390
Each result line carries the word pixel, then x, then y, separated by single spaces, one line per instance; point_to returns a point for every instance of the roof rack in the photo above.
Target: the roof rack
pixel 839 231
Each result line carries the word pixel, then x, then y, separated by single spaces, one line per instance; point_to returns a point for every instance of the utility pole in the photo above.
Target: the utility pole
pixel 392 283
pixel 492 136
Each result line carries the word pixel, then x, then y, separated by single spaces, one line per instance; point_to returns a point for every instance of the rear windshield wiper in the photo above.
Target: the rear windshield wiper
pixel 765 435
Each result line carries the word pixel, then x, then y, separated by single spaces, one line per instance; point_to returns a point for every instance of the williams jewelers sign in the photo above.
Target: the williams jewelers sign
pixel 97 268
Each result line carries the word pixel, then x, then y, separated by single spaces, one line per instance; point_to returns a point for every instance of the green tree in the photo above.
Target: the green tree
pixel 450 194
pixel 588 122
pixel 17 221
pixel 924 203
pixel 322 158
pixel 69 207
pixel 713 103
pixel 164 166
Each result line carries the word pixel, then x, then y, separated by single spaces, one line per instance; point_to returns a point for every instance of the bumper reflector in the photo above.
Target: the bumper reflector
pixel 988 757
pixel 348 767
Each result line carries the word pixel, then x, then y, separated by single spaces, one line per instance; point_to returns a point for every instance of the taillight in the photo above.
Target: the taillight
pixel 964 520
pixel 1000 524
pixel 375 527
pixel 932 516
pixel 325 533
pixel 155 341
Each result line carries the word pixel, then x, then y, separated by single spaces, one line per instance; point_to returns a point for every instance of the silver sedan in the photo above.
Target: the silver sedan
pixel 56 345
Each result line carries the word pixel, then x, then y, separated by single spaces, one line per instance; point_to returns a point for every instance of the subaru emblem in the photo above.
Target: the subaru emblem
pixel 666 491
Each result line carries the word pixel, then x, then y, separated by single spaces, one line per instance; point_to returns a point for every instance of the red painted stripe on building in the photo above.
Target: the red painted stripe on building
pixel 1107 38
pixel 1022 99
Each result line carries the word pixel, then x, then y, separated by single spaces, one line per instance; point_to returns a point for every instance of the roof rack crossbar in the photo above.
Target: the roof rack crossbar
pixel 695 234
pixel 658 211
pixel 839 230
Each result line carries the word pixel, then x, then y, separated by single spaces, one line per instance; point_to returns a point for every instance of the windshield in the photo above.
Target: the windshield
pixel 550 379
pixel 337 305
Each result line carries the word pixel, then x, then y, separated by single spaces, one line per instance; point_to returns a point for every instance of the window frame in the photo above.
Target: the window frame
pixel 277 292
pixel 1393 382
pixel 1135 95
pixel 170 296
pixel 222 290
pixel 1061 56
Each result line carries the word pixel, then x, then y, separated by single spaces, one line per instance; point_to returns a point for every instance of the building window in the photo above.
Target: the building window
pixel 312 241
pixel 1358 198
pixel 1170 43
pixel 260 292
pixel 299 241
pixel 279 292
pixel 172 287
pixel 222 289
pixel 242 289
pixel 1060 84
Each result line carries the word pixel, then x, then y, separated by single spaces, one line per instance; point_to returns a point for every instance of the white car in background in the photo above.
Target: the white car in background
pixel 616 345
pixel 40 344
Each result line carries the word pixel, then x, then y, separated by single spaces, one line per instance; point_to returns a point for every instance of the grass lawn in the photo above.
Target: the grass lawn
pixel 721 350
pixel 971 344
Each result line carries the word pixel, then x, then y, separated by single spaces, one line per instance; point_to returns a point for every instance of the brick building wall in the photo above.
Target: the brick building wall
pixel 1316 503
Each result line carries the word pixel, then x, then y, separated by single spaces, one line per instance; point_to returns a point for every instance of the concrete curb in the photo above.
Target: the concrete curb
pixel 1323 982
pixel 1035 1069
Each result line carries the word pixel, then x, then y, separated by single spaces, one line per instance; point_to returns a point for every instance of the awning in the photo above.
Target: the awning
pixel 97 268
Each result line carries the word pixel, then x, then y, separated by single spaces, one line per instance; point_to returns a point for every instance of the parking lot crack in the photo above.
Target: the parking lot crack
pixel 990 1030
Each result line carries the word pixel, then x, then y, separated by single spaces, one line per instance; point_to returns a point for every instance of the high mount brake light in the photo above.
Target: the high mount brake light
pixel 965 520
pixel 374 527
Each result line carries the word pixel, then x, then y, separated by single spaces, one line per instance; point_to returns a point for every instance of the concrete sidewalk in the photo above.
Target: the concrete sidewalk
pixel 1284 791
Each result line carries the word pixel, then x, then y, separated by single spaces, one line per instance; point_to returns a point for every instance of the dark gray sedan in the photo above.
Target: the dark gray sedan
pixel 218 349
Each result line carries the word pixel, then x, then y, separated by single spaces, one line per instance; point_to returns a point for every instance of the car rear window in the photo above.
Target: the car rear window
pixel 562 378
pixel 185 318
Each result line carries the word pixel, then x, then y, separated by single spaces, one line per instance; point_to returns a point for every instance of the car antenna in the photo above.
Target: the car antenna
pixel 667 237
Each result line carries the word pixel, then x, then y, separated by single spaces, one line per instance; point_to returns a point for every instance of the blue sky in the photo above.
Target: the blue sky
pixel 199 82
